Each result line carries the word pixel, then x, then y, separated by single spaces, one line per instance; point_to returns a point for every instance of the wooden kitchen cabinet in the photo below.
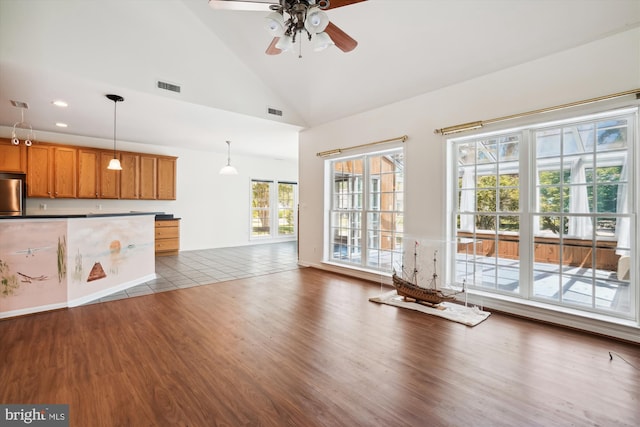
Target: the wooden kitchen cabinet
pixel 13 158
pixel 139 176
pixel 167 178
pixel 88 160
pixel 109 182
pixel 167 238
pixel 130 176
pixel 39 171
pixel 51 171
pixel 63 171
pixel 148 177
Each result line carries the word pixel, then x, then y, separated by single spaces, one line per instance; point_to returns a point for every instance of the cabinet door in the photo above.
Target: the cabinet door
pixel 88 173
pixel 130 176
pixel 109 179
pixel 38 171
pixel 166 178
pixel 13 158
pixel 64 172
pixel 148 177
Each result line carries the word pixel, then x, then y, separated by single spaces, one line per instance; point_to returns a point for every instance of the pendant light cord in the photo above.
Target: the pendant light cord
pixel 115 106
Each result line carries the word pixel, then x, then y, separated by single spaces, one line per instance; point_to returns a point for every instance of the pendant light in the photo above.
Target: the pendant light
pixel 114 164
pixel 228 169
pixel 22 125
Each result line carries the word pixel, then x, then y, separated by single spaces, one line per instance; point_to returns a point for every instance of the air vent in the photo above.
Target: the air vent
pixel 20 104
pixel 274 111
pixel 168 86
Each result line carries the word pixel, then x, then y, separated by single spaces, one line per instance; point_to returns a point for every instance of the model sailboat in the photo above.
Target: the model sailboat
pixel 410 288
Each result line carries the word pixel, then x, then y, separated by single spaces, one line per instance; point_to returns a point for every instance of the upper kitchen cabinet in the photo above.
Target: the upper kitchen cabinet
pixel 88 160
pixel 39 172
pixel 13 158
pixel 109 179
pixel 139 176
pixel 51 171
pixel 130 176
pixel 167 178
pixel 148 177
pixel 65 171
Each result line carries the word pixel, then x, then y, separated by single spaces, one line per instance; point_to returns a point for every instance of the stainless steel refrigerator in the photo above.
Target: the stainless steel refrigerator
pixel 12 194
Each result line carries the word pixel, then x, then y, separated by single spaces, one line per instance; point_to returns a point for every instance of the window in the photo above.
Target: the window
pixel 543 213
pixel 286 208
pixel 366 214
pixel 273 212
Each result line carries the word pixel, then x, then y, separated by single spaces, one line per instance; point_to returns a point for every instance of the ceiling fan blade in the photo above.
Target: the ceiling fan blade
pixel 256 5
pixel 343 41
pixel 339 3
pixel 272 49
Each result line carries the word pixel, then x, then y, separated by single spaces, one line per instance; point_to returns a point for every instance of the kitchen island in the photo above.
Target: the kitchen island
pixel 57 261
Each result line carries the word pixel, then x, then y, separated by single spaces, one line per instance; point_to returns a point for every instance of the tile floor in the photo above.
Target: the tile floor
pixel 209 266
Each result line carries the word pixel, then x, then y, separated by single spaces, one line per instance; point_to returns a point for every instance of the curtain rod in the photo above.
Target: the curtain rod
pixel 478 124
pixel 402 138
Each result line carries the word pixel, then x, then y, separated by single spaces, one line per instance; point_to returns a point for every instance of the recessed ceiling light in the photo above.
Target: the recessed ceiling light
pixel 61 125
pixel 60 103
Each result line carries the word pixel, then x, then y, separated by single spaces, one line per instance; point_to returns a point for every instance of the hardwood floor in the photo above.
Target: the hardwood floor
pixel 306 348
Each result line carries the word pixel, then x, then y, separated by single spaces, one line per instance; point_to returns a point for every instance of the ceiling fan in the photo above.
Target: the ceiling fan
pixel 292 18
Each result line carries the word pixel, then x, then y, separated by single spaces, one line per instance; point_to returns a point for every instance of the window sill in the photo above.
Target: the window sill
pixel 601 324
pixel 359 272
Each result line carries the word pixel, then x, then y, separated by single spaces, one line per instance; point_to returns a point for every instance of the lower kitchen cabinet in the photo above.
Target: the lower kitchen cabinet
pixel 167 236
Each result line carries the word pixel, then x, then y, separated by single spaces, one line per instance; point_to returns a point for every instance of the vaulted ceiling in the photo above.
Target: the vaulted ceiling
pixel 80 50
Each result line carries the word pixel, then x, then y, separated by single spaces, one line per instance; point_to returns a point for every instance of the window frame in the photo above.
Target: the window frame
pixel 527 168
pixel 353 202
pixel 273 210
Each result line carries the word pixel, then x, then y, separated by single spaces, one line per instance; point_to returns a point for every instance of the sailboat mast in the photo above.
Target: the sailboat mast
pixel 414 278
pixel 435 275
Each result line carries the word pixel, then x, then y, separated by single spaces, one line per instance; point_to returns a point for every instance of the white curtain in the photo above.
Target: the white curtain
pixel 467 199
pixel 623 231
pixel 579 226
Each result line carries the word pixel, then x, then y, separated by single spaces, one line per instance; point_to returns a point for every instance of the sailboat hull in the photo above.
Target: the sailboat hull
pixel 411 290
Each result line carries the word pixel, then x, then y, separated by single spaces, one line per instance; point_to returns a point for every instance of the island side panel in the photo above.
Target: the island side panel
pixel 33 274
pixel 108 254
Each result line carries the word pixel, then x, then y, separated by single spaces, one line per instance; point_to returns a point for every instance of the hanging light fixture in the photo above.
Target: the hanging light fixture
pixel 228 169
pixel 114 164
pixel 22 125
pixel 292 20
pixel 303 17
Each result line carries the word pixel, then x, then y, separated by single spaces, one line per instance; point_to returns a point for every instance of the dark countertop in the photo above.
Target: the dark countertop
pixel 88 215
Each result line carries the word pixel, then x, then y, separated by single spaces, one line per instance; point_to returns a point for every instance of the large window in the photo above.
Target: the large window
pixel 544 213
pixel 366 214
pixel 273 208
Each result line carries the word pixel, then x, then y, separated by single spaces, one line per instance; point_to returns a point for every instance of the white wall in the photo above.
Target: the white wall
pixel 214 208
pixel 85 38
pixel 599 68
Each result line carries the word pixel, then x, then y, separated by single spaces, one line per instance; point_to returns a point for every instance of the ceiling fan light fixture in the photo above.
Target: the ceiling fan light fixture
pixel 316 21
pixel 274 23
pixel 322 41
pixel 285 43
